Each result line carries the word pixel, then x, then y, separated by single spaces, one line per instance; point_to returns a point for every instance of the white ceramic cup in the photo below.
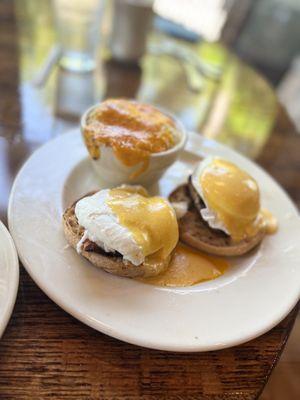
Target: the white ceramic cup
pixel 111 170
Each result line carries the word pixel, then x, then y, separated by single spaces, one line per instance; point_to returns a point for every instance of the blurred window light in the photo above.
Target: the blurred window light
pixel 205 17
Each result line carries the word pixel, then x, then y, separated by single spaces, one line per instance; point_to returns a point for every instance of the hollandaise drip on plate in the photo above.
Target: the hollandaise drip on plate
pixel 188 267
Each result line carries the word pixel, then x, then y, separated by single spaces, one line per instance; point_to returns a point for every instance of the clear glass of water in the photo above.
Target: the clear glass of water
pixel 78 24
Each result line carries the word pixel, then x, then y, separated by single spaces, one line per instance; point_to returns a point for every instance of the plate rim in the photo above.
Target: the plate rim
pixel 15 272
pixel 102 328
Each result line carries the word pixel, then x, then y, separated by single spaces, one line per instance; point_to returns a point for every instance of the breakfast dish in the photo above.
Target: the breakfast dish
pixel 9 276
pixel 123 231
pixel 233 303
pixel 128 233
pixel 132 130
pixel 221 209
pixel 131 142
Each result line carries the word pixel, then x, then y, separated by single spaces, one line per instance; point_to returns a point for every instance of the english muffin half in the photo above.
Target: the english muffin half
pixel 110 262
pixel 194 231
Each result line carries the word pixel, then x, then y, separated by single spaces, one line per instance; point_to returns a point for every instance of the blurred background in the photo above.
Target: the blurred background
pixel 177 54
pixel 219 65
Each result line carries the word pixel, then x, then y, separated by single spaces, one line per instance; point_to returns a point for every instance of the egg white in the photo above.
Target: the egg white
pixel 103 228
pixel 180 208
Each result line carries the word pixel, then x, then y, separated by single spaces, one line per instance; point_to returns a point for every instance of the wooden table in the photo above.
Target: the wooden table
pixel 45 353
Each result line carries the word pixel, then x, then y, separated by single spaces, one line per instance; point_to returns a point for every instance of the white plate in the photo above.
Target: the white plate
pixel 9 276
pixel 249 299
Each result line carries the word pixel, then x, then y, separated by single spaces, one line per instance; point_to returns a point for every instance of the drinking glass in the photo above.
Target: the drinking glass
pixel 78 25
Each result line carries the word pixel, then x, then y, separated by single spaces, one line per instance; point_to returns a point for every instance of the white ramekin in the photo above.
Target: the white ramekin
pixel 114 172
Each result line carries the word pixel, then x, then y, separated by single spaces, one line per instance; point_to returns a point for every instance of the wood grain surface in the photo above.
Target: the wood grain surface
pixel 46 353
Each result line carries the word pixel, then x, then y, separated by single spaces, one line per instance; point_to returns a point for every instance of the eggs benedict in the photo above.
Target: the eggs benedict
pixel 123 230
pixel 224 215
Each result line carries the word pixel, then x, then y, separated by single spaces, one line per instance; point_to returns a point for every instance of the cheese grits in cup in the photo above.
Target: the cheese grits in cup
pixel 131 142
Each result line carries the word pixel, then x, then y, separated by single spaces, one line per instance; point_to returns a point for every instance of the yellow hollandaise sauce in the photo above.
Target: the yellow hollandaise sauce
pixel 134 131
pixel 234 196
pixel 188 267
pixel 151 220
pixel 270 222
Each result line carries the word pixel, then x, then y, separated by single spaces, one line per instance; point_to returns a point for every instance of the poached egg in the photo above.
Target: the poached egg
pixel 231 197
pixel 126 220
